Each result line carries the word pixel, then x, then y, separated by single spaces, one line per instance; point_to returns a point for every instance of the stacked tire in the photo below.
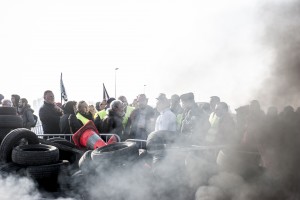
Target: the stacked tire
pixel 22 154
pixel 9 120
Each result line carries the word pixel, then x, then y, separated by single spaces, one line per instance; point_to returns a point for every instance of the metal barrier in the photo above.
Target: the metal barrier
pixel 38 129
pixel 69 136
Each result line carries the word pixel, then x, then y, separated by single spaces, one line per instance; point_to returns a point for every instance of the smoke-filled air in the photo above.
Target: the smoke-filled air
pixel 231 132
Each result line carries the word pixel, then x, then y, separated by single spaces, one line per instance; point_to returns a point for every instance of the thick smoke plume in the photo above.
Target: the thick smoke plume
pixel 282 27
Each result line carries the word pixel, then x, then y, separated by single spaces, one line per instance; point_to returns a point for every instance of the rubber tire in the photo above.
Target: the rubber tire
pixel 62 141
pixel 35 154
pixel 10 168
pixel 47 171
pixel 117 153
pixel 86 164
pixel 8 111
pixel 4 132
pixel 12 139
pixel 66 151
pixel 11 121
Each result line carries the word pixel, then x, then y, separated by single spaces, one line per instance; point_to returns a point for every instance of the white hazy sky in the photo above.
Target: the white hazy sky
pixel 207 47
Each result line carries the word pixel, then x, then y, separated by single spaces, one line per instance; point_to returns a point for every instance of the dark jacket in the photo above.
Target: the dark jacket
pixel 226 130
pixel 27 117
pixel 140 131
pixel 194 124
pixel 67 122
pixel 50 117
pixel 112 123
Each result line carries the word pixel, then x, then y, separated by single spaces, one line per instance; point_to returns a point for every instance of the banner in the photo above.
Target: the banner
pixel 63 93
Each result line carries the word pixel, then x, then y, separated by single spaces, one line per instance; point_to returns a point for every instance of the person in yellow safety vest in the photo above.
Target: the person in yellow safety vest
pixel 100 106
pixel 97 107
pixel 92 109
pixel 83 114
pixel 127 109
pixel 102 113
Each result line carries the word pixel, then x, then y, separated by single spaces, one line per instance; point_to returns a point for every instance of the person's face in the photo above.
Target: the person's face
pixel 124 100
pixel 20 104
pixel 159 105
pixel 13 100
pixel 102 105
pixel 92 109
pixel 142 102
pixel 84 108
pixel 174 102
pixel 121 112
pixel 213 103
pixel 75 108
pixel 186 104
pixel 49 97
pixel 219 111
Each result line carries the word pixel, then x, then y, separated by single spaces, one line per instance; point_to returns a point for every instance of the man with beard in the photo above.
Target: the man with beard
pixel 141 120
pixel 26 113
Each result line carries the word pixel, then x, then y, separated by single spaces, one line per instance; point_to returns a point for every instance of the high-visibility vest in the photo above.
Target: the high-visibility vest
pixel 213 130
pixel 83 119
pixel 129 110
pixel 102 114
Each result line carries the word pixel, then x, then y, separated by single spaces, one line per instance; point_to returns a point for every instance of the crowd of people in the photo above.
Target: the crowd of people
pixel 206 123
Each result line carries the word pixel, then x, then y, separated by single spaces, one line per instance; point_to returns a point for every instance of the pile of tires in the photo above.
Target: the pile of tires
pixel 9 120
pixel 67 151
pixel 21 153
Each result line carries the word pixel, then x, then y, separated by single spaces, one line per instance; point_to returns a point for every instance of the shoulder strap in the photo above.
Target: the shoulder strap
pixel 69 120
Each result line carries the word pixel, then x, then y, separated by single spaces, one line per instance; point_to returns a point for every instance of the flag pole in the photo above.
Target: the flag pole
pixel 60 88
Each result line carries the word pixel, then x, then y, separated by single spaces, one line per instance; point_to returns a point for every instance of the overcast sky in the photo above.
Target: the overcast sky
pixel 206 47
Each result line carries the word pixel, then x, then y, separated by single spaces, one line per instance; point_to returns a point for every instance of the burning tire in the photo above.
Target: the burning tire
pixel 36 154
pixel 13 139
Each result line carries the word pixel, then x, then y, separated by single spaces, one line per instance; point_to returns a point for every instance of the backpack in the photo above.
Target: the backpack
pixel 35 120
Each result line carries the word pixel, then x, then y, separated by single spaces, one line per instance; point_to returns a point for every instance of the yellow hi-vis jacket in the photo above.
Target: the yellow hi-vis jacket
pixel 102 114
pixel 129 110
pixel 82 118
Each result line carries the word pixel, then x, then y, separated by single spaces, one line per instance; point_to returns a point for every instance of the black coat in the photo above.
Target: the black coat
pixel 50 117
pixel 65 124
pixel 112 123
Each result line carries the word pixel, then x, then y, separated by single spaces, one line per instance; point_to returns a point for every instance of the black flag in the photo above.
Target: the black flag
pixel 105 94
pixel 63 94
